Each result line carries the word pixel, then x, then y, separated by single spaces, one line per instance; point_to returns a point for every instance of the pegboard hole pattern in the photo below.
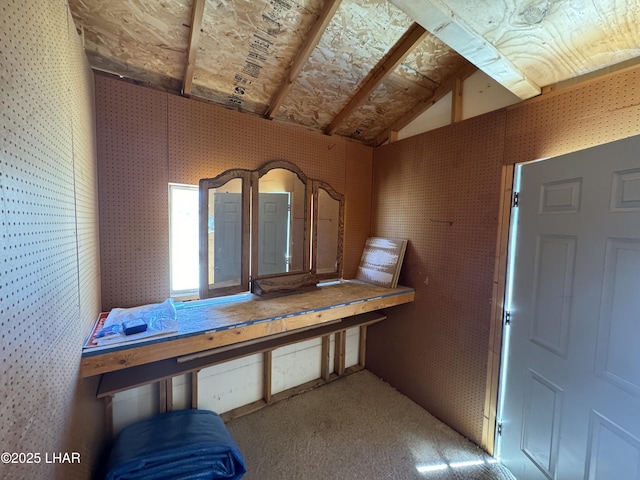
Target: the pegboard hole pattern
pixel 601 112
pixel 49 274
pixel 441 191
pixel 148 138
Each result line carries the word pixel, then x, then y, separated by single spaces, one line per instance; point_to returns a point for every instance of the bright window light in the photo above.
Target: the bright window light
pixel 432 468
pixel 436 467
pixel 183 239
pixel 470 463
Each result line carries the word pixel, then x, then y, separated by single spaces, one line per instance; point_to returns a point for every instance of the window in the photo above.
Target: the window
pixel 183 239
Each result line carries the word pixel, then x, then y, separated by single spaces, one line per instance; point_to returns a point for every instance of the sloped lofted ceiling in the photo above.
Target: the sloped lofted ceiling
pixel 356 68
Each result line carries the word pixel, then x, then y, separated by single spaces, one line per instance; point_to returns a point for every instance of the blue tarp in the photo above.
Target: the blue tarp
pixel 182 444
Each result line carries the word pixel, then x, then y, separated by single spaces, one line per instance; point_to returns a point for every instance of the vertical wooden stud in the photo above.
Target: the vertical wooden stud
pixel 456 101
pixel 169 394
pixel 162 392
pixel 266 376
pixel 325 357
pixel 339 360
pixel 194 389
pixel 497 311
pixel 362 347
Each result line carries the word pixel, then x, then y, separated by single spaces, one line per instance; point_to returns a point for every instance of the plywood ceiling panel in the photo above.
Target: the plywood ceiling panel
pixel 145 40
pixel 357 68
pixel 527 44
pixel 246 48
pixel 414 80
pixel 360 34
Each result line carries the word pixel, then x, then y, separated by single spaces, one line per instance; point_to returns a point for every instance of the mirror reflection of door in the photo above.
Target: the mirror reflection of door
pixel 224 234
pixel 281 222
pixel 227 239
pixel 273 242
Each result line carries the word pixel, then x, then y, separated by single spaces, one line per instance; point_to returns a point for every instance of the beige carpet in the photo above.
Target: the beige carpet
pixel 356 428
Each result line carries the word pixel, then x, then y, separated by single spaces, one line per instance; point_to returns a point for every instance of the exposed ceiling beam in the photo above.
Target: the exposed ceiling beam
pixel 441 21
pixel 194 37
pixel 413 37
pixel 446 87
pixel 456 101
pixel 304 53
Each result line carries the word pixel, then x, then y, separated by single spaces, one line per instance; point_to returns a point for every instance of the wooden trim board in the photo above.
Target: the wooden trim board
pixel 250 320
pixel 119 381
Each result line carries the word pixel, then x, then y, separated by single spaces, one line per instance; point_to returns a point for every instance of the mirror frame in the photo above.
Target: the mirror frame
pixel 316 186
pixel 203 191
pixel 255 181
pixel 280 282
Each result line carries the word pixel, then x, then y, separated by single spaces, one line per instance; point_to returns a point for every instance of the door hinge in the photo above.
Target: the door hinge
pixel 507 318
pixel 499 428
pixel 516 198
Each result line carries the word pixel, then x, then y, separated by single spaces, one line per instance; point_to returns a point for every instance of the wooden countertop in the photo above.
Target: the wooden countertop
pixel 217 322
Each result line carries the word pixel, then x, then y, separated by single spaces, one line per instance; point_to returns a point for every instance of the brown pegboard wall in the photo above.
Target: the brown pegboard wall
pixel 359 175
pixel 206 139
pixel 439 191
pixel 49 275
pixel 133 185
pixel 149 138
pixel 583 116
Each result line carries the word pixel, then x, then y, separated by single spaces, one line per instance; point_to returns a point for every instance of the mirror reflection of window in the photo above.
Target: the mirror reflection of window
pixel 224 234
pixel 281 222
pixel 328 232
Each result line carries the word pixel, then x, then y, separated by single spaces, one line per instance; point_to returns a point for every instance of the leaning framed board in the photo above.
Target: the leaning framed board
pixel 381 261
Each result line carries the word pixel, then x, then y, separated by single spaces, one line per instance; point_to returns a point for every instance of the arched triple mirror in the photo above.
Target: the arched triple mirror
pixel 289 226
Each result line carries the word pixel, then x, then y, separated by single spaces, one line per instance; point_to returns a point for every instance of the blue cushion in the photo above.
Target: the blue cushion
pixel 182 444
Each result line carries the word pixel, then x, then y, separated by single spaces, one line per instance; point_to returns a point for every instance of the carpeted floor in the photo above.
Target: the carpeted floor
pixel 356 428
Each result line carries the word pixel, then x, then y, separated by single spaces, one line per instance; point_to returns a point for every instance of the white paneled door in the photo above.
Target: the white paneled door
pixel 571 388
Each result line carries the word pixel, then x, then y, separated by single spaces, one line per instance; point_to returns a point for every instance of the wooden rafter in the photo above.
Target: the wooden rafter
pixel 194 37
pixel 414 35
pixel 304 53
pixel 439 19
pixel 449 85
pixel 456 101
